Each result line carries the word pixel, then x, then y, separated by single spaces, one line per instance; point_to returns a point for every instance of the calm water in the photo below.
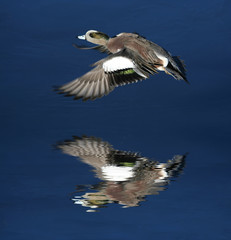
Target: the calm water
pixel 158 119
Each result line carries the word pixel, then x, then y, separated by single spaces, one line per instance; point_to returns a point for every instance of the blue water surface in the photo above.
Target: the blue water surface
pixel 158 118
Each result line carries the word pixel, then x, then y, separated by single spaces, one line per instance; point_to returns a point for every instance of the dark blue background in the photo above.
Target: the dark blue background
pixel 158 117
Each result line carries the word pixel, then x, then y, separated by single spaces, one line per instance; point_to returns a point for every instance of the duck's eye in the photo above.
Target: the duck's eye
pixel 99 35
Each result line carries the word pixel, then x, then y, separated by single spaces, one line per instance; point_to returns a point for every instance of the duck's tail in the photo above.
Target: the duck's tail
pixel 177 69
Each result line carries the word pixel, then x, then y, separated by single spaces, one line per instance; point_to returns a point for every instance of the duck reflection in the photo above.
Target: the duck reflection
pixel 127 176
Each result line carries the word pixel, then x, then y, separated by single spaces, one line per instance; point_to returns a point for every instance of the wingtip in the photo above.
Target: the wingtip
pixel 57 89
pixel 60 91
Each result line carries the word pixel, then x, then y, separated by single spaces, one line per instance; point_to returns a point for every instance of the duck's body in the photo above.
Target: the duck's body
pixel 131 58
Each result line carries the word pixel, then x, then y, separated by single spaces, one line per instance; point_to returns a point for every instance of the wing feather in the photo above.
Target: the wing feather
pixel 115 70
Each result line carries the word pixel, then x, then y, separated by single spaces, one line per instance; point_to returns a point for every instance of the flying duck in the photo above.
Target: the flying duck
pixel 131 58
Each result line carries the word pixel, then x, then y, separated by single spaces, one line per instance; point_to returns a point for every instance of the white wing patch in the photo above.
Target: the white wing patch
pixel 118 63
pixel 114 173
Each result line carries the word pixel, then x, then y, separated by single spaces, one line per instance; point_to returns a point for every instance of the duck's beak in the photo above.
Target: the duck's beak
pixel 82 37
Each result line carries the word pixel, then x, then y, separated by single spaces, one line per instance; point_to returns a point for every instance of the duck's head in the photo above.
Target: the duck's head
pixel 95 37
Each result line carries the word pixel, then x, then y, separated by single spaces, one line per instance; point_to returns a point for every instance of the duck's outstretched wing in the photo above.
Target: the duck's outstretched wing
pixel 92 85
pixel 115 70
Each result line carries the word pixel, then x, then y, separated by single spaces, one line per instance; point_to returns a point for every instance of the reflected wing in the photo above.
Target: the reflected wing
pixel 91 150
pixel 98 153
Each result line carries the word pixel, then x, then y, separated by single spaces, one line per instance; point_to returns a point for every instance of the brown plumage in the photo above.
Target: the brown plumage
pixel 131 58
